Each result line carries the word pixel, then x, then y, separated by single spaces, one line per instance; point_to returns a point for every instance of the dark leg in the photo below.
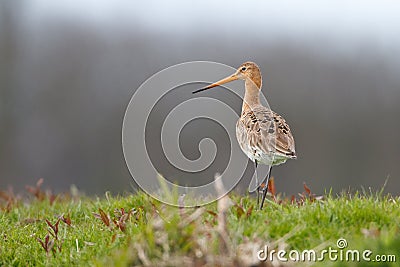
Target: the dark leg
pixel 265 189
pixel 258 188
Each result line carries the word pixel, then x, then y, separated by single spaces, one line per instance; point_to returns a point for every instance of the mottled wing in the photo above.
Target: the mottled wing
pixel 263 134
pixel 284 137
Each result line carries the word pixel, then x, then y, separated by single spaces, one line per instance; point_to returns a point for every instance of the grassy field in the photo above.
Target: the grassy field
pixel 135 230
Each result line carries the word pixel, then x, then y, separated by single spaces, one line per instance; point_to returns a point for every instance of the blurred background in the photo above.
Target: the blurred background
pixel 69 68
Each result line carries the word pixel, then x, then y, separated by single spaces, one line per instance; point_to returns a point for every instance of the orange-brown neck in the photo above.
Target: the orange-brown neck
pixel 251 94
pixel 256 78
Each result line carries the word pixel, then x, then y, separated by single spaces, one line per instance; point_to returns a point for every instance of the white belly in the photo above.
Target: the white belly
pixel 264 158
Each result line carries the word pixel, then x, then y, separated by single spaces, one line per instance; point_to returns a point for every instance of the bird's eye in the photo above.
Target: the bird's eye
pixel 244 68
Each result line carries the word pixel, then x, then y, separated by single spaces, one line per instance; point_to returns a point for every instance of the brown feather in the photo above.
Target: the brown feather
pixel 260 130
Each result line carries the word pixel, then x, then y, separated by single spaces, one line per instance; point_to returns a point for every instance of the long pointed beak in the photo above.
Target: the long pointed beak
pixel 220 82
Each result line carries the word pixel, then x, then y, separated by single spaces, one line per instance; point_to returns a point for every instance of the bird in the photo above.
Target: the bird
pixel 263 135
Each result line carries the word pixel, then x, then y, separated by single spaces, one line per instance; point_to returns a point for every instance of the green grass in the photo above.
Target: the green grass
pixel 157 234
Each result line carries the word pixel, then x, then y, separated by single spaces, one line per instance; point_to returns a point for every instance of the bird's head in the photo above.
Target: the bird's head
pixel 248 71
